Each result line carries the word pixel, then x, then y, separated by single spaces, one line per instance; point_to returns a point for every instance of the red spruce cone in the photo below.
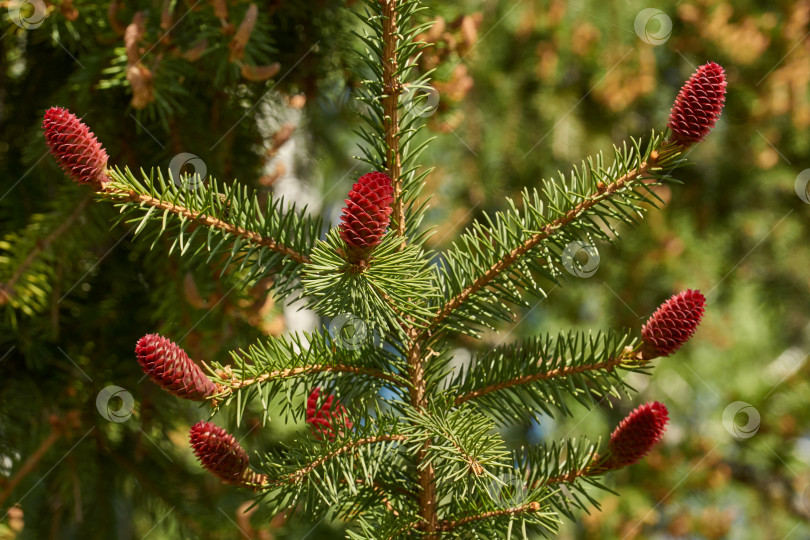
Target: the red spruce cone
pixel 75 147
pixel 672 324
pixel 325 421
pixel 637 434
pixel 366 216
pixel 221 454
pixel 698 105
pixel 170 367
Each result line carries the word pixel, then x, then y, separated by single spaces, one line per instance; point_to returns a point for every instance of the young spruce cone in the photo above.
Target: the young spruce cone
pixel 170 367
pixel 221 454
pixel 672 324
pixel 698 105
pixel 636 435
pixel 75 147
pixel 366 216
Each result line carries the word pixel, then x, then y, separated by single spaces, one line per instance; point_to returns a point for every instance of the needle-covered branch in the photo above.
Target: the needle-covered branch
pixel 279 368
pixel 327 473
pixel 460 445
pixel 29 257
pixel 537 374
pixel 217 223
pixel 488 269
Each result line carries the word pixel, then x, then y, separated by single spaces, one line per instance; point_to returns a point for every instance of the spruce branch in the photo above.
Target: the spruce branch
pixel 233 384
pixel 299 474
pixel 461 443
pixel 427 473
pixel 448 525
pixel 574 463
pixel 588 361
pixel 221 224
pixel 594 196
pixel 325 471
pixel 607 365
pixel 274 368
pixel 41 246
pixel 205 220
pixel 536 374
pixel 391 125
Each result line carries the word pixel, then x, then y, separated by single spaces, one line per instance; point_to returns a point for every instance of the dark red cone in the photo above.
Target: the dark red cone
pixel 698 105
pixel 366 215
pixel 75 147
pixel 169 366
pixel 636 435
pixel 221 454
pixel 325 421
pixel 672 324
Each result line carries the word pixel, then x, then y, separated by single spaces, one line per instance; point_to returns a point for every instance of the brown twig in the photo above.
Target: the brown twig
pixel 447 525
pixel 598 465
pixel 209 221
pixel 8 288
pixel 31 463
pixel 427 475
pixel 392 89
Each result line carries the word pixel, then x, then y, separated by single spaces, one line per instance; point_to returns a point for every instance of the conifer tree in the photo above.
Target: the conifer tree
pixel 399 444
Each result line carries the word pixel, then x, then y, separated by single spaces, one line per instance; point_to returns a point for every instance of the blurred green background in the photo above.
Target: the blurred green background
pixel 524 89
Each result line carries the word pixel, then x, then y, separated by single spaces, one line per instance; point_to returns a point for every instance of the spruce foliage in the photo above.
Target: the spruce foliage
pixel 421 455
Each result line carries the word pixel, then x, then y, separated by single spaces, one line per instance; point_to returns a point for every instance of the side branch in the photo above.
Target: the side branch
pixel 235 384
pixel 302 472
pixel 7 289
pixel 390 100
pixel 627 355
pixel 550 229
pixel 208 221
pixel 30 464
pixel 448 525
pixel 591 470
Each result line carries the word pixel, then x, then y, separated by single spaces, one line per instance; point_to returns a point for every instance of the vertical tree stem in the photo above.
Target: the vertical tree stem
pixel 427 475
pixel 392 90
